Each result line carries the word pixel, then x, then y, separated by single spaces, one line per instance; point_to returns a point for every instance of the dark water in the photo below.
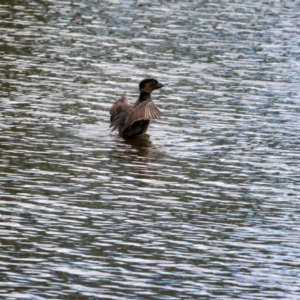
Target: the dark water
pixel 206 206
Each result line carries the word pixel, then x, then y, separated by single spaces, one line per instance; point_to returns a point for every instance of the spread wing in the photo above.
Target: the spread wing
pixel 115 109
pixel 119 112
pixel 147 110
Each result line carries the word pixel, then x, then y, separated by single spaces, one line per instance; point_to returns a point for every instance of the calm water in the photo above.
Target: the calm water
pixel 206 206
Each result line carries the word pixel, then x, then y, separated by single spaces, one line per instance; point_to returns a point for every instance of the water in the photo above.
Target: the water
pixel 205 206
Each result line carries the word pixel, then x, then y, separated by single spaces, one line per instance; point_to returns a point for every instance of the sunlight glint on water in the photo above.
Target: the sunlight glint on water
pixel 204 205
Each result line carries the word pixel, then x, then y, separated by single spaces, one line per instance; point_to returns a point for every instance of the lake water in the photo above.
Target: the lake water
pixel 205 205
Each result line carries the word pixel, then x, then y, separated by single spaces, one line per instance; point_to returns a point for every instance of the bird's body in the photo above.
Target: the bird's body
pixel 133 120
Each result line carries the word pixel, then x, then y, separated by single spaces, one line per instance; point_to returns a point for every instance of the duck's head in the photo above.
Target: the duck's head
pixel 148 85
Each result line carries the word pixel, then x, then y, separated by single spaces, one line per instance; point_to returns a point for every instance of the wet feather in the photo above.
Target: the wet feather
pixel 132 120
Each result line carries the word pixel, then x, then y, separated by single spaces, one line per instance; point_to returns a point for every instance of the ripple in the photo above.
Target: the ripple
pixel 204 205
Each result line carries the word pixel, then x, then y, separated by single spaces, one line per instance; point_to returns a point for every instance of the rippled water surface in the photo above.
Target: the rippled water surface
pixel 205 206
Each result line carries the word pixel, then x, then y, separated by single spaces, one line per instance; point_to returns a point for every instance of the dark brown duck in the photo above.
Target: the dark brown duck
pixel 133 120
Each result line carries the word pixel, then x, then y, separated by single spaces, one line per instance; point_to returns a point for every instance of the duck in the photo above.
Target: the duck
pixel 133 120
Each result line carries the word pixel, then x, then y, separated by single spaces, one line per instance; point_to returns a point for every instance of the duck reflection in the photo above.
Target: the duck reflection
pixel 139 149
pixel 142 145
pixel 136 157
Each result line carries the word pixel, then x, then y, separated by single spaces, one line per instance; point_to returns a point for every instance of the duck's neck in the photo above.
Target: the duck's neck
pixel 143 97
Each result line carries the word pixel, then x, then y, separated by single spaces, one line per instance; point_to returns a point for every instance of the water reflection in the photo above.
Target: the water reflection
pixel 204 207
pixel 136 158
pixel 142 146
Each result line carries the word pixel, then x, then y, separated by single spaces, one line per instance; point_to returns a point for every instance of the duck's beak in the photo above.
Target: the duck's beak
pixel 159 85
